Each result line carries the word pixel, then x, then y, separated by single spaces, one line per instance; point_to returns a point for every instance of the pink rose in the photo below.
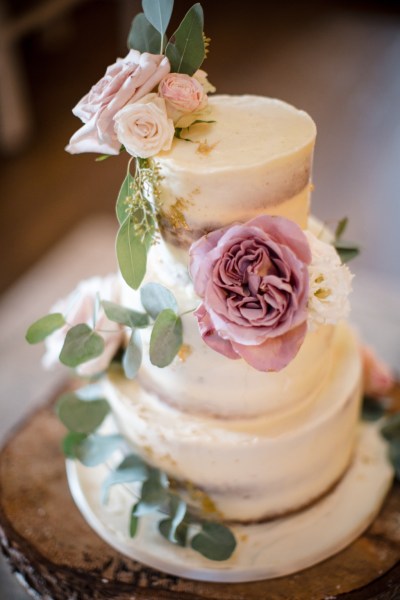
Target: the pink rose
pixel 79 307
pixel 253 280
pixel 127 80
pixel 182 93
pixel 378 378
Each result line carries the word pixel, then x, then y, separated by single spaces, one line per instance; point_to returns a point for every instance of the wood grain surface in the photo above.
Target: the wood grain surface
pixel 54 551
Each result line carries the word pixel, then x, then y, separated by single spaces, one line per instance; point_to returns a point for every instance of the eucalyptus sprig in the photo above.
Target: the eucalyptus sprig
pixel 346 250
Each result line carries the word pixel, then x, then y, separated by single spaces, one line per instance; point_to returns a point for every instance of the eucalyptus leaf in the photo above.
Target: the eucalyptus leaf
pixel 391 428
pixel 187 50
pixel 176 535
pixel 215 541
pixel 80 345
pixel 40 329
pixel 372 409
pixel 346 250
pixel 96 449
pixel 154 493
pixel 394 456
pixel 125 316
pixel 156 298
pixel 131 469
pixel 81 416
pixel 71 442
pixel 158 13
pixel 131 254
pixel 134 522
pixel 124 193
pixel 341 228
pixel 173 528
pixel 133 354
pixel 166 338
pixel 143 36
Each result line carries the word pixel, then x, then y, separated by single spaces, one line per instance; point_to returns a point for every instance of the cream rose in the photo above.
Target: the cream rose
pixel 144 128
pixel 182 94
pixel 79 307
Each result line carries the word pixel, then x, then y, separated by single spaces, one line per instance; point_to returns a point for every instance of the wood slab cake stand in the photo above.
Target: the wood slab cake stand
pixel 57 555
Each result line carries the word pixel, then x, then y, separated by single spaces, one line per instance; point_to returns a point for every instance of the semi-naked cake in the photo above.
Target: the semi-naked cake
pixel 258 444
pixel 225 382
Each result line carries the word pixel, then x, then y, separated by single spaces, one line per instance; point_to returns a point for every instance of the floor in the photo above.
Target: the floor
pixel 334 60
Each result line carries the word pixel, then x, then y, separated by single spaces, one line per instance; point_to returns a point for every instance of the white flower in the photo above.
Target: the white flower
pixel 81 306
pixel 144 127
pixel 329 284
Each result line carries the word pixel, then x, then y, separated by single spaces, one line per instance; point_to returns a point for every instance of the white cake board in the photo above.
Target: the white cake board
pixel 273 549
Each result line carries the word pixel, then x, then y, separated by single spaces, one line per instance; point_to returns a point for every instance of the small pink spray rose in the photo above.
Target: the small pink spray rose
pixel 127 80
pixel 253 281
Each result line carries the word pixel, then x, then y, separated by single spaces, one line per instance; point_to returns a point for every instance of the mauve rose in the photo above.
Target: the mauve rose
pixel 253 279
pixel 79 307
pixel 127 80
pixel 378 377
pixel 144 127
pixel 182 94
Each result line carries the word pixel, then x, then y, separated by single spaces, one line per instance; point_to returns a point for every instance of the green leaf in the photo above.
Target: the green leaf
pixel 372 409
pixel 143 36
pixel 215 541
pixel 158 13
pixel 394 456
pixel 71 442
pixel 80 345
pixel 39 330
pixel 131 254
pixel 103 157
pixel 124 193
pixel 154 493
pixel 187 50
pixel 131 469
pixel 166 338
pixel 391 428
pixel 173 528
pixel 132 358
pixel 81 416
pixel 156 298
pixel 96 449
pixel 341 228
pixel 125 316
pixel 134 522
pixel 346 250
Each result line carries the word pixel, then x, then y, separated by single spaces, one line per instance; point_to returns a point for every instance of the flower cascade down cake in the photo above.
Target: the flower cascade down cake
pixel 225 357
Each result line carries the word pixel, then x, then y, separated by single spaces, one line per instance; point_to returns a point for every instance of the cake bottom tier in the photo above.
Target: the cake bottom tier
pixel 251 469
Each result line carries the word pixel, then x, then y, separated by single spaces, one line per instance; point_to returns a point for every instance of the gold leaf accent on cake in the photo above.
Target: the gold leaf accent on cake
pixel 184 352
pixel 174 215
pixel 205 149
pixel 202 500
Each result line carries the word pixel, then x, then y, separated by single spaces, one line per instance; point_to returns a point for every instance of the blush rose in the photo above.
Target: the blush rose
pixel 129 79
pixel 253 280
pixel 144 127
pixel 79 307
pixel 182 94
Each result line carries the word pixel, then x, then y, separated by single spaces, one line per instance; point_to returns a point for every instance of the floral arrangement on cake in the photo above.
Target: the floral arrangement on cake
pixel 261 285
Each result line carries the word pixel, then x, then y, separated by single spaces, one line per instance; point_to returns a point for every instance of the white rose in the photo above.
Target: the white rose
pixel 329 284
pixel 144 127
pixel 80 307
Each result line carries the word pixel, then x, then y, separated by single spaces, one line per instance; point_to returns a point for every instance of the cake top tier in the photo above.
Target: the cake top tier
pixel 248 130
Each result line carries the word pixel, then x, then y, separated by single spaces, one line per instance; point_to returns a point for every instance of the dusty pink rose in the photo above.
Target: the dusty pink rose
pixel 182 94
pixel 79 307
pixel 378 377
pixel 253 279
pixel 127 80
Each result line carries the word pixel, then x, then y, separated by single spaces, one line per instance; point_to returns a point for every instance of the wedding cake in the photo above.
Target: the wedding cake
pixel 227 364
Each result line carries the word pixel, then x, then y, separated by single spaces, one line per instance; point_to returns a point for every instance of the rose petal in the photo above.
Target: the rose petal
pixel 275 353
pixel 211 337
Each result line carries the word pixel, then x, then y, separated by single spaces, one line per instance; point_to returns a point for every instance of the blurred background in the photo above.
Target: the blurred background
pixel 339 61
